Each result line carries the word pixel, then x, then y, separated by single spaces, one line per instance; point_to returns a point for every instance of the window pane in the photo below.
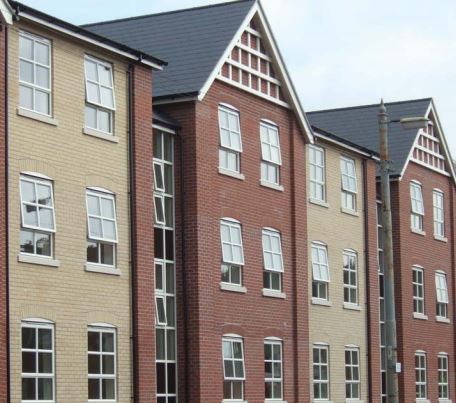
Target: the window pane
pixel 107 254
pixel 93 93
pixel 109 230
pixel 42 53
pixel 95 227
pixel 28 337
pixel 94 389
pixel 107 206
pixel 45 363
pixel 28 362
pixel 45 339
pixel 43 244
pixel 91 70
pixel 94 364
pixel 107 97
pixel 26 71
pixel 108 389
pixel 90 117
pixel 92 252
pixel 28 389
pixel 42 77
pixel 93 341
pixel 28 192
pixel 108 342
pixel 26 48
pixel 42 102
pixel 160 344
pixel 27 242
pixel 46 218
pixel 108 364
pixel 25 97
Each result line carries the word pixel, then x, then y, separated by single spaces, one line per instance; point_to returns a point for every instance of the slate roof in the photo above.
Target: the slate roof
pixel 192 41
pixel 359 125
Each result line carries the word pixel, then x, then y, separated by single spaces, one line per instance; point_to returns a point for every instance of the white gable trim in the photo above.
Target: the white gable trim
pixel 288 85
pixel 7 12
pixel 443 142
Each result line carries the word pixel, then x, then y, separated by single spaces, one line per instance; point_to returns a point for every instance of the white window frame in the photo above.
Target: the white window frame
pixel 230 147
pixel 33 86
pixel 421 374
pixel 417 206
pixel 443 373
pixel 439 213
pixel 267 162
pixel 350 255
pixel 441 289
pixel 320 269
pixel 231 339
pixel 320 364
pixel 160 299
pixel 417 300
pixel 101 196
pixel 349 185
pixel 232 225
pixel 274 362
pixel 36 325
pixel 315 183
pixel 270 270
pixel 353 383
pixel 101 353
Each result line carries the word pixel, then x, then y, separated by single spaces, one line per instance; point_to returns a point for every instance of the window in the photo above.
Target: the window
pixel 270 153
pixel 321 372
pixel 417 206
pixel 100 99
pixel 273 378
pixel 101 364
pixel 349 187
pixel 34 73
pixel 232 252
pixel 350 277
pixel 272 256
pixel 233 369
pixel 442 295
pixel 37 216
pixel 418 290
pixel 102 228
pixel 317 173
pixel 320 271
pixel 230 139
pixel 37 362
pixel 420 375
pixel 352 377
pixel 439 214
pixel 444 392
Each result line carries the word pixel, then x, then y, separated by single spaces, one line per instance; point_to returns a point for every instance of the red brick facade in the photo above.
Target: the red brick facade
pixel 143 236
pixel 4 376
pixel 209 196
pixel 429 336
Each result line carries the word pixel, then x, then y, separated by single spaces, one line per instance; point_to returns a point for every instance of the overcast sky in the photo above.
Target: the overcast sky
pixel 339 53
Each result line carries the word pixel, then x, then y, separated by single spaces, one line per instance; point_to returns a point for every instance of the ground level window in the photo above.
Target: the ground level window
pixel 273 378
pixel 420 376
pixel 321 372
pixel 352 378
pixel 233 369
pixel 443 376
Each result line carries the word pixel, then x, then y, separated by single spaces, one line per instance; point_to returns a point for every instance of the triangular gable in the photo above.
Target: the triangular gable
pixel 252 62
pixel 430 148
pixel 6 12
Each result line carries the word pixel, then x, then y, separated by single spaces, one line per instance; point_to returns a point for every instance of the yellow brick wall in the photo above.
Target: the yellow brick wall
pixel 68 295
pixel 336 325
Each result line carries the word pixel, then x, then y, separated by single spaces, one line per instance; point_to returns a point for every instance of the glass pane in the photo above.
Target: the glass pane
pixel 45 391
pixel 159 243
pixel 43 244
pixel 238 390
pixel 42 77
pixel 104 120
pixel 26 71
pixel 157 144
pixel 161 378
pixel 169 239
pixel 92 252
pixel 93 93
pixel 108 364
pixel 93 205
pixel 42 102
pixel 25 97
pixel 169 179
pixel 90 117
pixel 170 310
pixel 229 370
pixel 159 213
pixel 237 350
pixel 107 206
pixel 93 339
pixel 91 70
pixel 108 342
pixel 171 378
pixel 109 230
pixel 171 344
pixel 94 389
pixel 28 192
pixel 160 344
pixel 42 53
pixel 45 339
pixel 28 362
pixel 26 48
pixel 45 363
pixel 158 172
pixel 104 74
pixel 168 147
pixel 28 337
pixel 46 218
pixel 159 277
pixel 170 278
pixel 30 215
pixel 236 275
pixel 95 227
pixel 28 389
pixel 94 366
pixel 107 254
pixel 108 386
pixel 107 97
pixel 169 219
pixel 44 195
pixel 27 242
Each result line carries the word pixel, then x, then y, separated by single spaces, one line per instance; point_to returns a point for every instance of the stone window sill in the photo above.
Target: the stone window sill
pixel 321 401
pixel 445 401
pixel 422 401
pixel 38 260
pixel 319 202
pixel 352 307
pixel 420 316
pixel 272 186
pixel 276 401
pixel 37 116
pixel 232 174
pixel 418 232
pixel 349 212
pixel 442 320
pixel 353 401
pixel 233 288
pixel 322 302
pixel 440 238
pixel 99 268
pixel 234 401
pixel 100 135
pixel 273 294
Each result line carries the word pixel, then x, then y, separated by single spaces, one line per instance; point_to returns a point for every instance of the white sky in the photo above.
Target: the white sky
pixel 339 52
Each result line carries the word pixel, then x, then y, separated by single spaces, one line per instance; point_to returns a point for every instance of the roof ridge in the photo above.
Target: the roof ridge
pixel 369 105
pixel 137 17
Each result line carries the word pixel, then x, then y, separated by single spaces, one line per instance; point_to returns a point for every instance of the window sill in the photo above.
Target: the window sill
pixel 445 401
pixel 100 135
pixel 273 294
pixel 276 401
pixel 322 302
pixel 272 186
pixel 440 238
pixel 37 116
pixel 422 401
pixel 319 202
pixel 234 401
pixel 352 307
pixel 41 261
pixel 420 316
pixel 232 174
pixel 322 401
pixel 99 268
pixel 233 288
pixel 418 232
pixel 349 212
pixel 442 320
pixel 354 401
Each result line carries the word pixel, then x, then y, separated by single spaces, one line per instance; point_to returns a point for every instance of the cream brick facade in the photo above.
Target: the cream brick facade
pixel 335 325
pixel 68 295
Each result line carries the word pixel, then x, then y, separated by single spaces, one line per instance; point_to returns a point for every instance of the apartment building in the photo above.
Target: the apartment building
pixel 76 110
pixel 341 209
pixel 240 197
pixel 422 192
